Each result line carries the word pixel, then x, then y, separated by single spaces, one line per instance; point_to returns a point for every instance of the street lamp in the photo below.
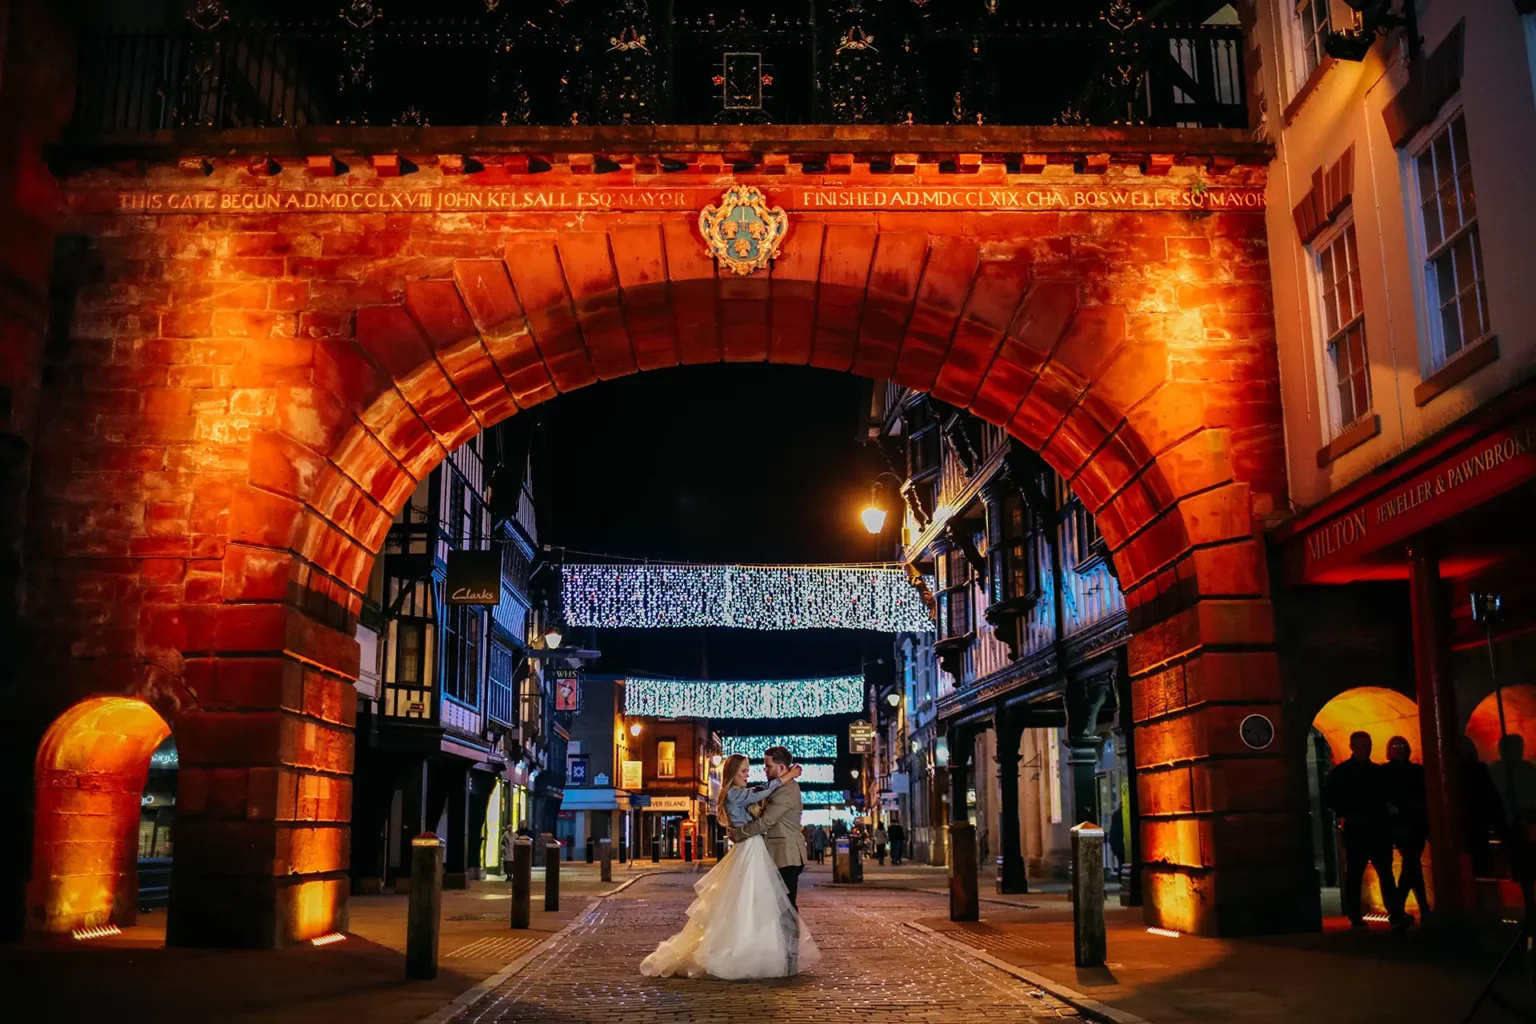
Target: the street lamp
pixel 854 774
pixel 634 729
pixel 893 699
pixel 874 515
pixel 553 638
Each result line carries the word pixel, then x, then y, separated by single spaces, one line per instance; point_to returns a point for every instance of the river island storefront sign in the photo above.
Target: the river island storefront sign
pixel 369 197
pixel 1459 481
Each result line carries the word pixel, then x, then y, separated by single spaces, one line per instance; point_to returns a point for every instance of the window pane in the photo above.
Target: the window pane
pixel 1444 165
pixel 1459 143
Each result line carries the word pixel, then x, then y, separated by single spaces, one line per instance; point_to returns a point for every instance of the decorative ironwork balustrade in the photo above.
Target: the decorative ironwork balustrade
pixel 640 62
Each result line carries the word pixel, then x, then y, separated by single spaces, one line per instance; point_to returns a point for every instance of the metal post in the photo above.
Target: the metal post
pixel 1088 943
pixel 964 900
pixel 424 912
pixel 841 871
pixel 856 862
pixel 687 849
pixel 606 847
pixel 552 877
pixel 591 848
pixel 656 849
pixel 522 881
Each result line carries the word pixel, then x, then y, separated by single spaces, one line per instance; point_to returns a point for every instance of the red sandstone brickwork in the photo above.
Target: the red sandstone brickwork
pixel 250 398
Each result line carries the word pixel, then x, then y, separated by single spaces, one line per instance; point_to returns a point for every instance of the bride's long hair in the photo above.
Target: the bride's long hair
pixel 727 782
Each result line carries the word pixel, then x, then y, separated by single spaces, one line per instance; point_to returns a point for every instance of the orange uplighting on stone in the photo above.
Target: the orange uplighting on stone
pixel 1376 710
pixel 1519 720
pixel 91 768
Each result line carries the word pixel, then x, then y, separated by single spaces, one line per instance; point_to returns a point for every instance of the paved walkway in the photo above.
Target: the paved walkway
pixel 873 968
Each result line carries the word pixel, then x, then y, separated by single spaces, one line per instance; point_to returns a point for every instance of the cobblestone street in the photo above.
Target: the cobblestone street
pixel 871 966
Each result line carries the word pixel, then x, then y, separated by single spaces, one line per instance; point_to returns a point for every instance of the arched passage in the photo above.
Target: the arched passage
pixel 310 368
pixel 1376 710
pixel 1382 713
pixel 90 772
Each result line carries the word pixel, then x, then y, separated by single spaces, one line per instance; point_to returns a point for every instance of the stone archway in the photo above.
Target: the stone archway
pixel 282 380
pixel 90 770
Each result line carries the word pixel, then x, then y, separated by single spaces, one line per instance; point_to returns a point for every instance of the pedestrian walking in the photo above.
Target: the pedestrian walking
pixel 1117 836
pixel 1410 818
pixel 880 836
pixel 1357 795
pixel 898 842
pixel 819 844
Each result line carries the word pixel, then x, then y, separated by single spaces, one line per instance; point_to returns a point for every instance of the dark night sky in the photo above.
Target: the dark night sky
pixel 718 463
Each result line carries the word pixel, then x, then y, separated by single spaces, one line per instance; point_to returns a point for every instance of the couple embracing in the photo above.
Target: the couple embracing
pixel 744 922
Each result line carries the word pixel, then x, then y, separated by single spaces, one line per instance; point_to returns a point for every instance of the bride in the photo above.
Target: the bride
pixel 741 925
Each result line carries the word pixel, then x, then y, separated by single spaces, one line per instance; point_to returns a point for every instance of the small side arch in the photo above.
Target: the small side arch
pixel 90 770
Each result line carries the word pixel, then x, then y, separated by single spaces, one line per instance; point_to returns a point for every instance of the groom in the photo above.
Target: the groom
pixel 779 824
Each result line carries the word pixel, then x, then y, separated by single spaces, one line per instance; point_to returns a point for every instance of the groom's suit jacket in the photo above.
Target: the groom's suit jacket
pixel 779 826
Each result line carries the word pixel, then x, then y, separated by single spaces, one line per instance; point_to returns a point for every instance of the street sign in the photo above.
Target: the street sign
pixel 673 804
pixel 474 577
pixel 861 737
pixel 631 775
pixel 890 801
pixel 639 800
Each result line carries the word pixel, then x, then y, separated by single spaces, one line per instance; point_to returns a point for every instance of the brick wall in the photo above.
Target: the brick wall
pixel 247 399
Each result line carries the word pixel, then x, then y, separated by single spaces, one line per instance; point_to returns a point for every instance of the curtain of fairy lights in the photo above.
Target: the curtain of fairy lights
pixel 772 698
pixel 744 596
pixel 803 748
pixel 821 773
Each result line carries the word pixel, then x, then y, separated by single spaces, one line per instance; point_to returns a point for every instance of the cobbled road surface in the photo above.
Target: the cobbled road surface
pixel 872 969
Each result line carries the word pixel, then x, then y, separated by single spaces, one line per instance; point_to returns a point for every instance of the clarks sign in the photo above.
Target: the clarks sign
pixel 474 577
pixel 366 198
pixel 1485 468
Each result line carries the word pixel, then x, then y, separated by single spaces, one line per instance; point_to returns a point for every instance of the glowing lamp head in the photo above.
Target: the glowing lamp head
pixel 553 638
pixel 874 519
pixel 854 773
pixel 634 730
pixel 893 699
pixel 717 760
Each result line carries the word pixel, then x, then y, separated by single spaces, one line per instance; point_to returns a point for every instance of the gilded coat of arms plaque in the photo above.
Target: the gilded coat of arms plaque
pixel 743 233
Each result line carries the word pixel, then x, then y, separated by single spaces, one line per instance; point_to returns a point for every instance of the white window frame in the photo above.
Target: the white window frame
pixel 1301 41
pixel 1327 370
pixel 1426 287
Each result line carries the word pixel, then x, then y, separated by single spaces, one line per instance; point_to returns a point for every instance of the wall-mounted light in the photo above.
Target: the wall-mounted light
pixel 634 730
pixel 893 699
pixel 854 774
pixel 553 638
pixel 1375 18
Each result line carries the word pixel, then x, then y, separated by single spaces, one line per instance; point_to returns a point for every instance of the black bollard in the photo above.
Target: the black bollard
pixel 424 912
pixel 719 848
pixel 591 848
pixel 688 849
pixel 1088 939
pixel 964 899
pixel 552 877
pixel 606 846
pixel 522 881
pixel 656 850
pixel 623 852
pixel 855 863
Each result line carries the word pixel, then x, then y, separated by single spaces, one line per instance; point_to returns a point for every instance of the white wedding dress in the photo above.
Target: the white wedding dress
pixel 741 925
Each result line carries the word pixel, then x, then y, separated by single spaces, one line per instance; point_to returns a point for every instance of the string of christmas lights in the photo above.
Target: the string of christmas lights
pixel 811 773
pixel 823 798
pixel 769 698
pixel 802 748
pixel 743 596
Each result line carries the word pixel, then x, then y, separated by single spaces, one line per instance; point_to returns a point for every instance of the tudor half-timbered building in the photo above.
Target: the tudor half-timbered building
pixel 1012 709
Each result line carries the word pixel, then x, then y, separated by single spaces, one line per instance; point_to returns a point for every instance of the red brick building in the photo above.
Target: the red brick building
pixel 263 339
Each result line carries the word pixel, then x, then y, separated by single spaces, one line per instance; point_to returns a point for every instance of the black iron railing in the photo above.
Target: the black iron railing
pixel 473 62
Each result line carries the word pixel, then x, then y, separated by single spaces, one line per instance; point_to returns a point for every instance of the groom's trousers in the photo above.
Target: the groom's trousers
pixel 791 876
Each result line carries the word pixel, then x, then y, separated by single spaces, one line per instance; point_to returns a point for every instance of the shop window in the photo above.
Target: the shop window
pixel 666 758
pixel 1453 256
pixel 499 684
pixel 1342 315
pixel 462 630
